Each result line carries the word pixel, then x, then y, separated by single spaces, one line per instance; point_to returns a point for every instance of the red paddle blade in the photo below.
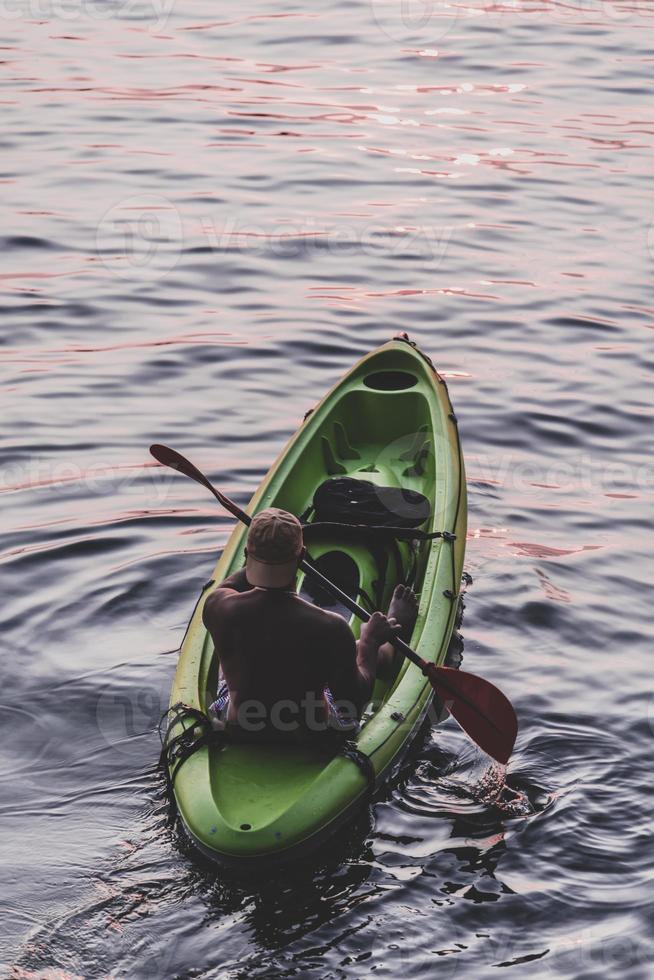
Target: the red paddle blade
pixel 480 708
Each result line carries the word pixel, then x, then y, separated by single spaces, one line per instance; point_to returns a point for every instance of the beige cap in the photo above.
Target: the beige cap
pixel 274 544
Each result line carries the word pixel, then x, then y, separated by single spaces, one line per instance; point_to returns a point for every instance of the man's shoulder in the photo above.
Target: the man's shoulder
pixel 219 603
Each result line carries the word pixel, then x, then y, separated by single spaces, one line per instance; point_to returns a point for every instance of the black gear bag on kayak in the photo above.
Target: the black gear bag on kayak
pixel 344 500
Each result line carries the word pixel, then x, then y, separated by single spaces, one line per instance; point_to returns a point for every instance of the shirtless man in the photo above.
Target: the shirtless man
pixel 285 660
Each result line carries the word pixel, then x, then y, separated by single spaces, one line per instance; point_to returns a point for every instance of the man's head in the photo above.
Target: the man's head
pixel 274 548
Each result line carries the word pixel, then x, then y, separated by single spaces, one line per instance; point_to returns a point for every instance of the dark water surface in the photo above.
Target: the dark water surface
pixel 210 211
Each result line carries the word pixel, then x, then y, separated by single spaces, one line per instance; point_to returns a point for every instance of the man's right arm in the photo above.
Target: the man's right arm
pixel 353 665
pixel 344 678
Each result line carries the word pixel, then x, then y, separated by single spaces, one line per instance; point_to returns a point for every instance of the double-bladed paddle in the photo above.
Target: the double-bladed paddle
pixel 479 707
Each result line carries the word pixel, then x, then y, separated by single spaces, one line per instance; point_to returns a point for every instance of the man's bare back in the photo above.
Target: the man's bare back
pixel 274 647
pixel 278 651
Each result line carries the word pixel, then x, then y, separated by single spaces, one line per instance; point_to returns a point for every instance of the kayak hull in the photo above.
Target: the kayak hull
pixel 388 421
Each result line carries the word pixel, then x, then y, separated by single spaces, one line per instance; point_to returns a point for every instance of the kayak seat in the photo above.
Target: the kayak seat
pixel 419 464
pixel 342 569
pixel 343 447
pixel 344 450
pixel 332 466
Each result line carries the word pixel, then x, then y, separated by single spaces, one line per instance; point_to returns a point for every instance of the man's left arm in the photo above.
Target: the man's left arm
pixel 236 583
pixel 230 586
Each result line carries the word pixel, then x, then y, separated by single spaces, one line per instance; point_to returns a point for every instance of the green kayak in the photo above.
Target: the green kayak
pixel 390 422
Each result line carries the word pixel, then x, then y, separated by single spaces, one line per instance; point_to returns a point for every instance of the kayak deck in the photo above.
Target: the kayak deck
pixel 389 421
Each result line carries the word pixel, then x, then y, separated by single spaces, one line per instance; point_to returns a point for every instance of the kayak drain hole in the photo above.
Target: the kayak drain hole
pixel 246 826
pixel 390 380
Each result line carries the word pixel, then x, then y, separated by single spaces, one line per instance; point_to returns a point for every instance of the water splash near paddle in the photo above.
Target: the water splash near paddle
pixel 492 789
